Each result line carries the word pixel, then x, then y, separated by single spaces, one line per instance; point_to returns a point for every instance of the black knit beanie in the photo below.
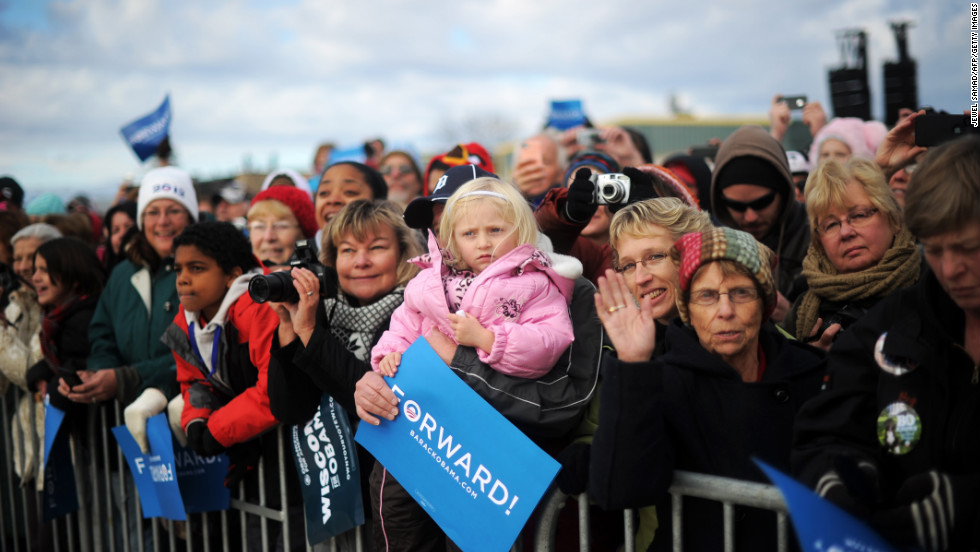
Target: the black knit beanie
pixel 749 169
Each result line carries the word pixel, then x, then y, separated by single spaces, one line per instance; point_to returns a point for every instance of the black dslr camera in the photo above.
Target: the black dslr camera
pixel 278 286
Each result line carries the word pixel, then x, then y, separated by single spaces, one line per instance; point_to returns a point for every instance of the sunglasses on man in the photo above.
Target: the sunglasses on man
pixel 756 204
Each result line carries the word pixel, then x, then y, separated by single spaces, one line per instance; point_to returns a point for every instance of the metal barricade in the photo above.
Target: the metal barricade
pixel 729 492
pixel 109 517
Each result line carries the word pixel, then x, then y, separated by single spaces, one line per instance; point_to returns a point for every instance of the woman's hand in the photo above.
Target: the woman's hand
pixel 632 330
pixel 96 386
pixel 825 340
pixel 373 397
pixel 898 149
pixel 779 117
pixel 389 364
pixel 814 117
pixel 442 345
pixel 299 318
pixel 469 332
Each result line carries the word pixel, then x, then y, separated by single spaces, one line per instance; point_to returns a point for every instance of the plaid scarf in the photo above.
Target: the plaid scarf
pixel 356 327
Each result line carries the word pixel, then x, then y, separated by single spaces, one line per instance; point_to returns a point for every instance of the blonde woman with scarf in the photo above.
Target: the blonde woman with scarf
pixel 860 252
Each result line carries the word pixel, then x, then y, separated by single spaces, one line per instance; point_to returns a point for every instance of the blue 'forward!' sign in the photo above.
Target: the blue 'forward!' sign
pixel 473 472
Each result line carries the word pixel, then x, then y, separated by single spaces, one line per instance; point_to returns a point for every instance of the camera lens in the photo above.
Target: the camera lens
pixel 276 287
pixel 613 192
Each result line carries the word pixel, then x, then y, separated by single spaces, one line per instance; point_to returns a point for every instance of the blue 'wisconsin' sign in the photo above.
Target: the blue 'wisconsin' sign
pixel 475 474
pixel 146 133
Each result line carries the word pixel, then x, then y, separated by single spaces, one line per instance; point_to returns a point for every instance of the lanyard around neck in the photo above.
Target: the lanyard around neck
pixel 214 348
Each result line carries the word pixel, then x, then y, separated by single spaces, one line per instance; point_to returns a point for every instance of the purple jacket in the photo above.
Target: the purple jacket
pixel 522 298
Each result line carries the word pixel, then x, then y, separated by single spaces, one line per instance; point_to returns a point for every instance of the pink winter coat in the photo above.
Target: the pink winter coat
pixel 521 298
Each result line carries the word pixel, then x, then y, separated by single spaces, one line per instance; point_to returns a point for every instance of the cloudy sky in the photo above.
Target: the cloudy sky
pixel 271 80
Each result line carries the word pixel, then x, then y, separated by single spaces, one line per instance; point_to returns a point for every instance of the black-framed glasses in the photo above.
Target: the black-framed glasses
pixel 708 297
pixel 756 204
pixel 648 262
pixel 855 219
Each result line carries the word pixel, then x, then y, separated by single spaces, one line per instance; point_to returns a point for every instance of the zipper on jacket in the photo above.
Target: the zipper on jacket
pixel 976 374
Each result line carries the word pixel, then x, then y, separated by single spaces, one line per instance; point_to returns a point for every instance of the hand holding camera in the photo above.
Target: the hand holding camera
pixel 581 203
pixel 296 292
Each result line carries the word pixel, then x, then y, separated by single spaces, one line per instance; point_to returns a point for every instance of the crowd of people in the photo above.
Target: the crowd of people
pixel 818 310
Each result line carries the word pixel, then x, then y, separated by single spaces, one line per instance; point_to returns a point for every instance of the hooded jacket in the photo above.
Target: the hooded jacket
pixel 522 298
pixel 237 383
pixel 789 237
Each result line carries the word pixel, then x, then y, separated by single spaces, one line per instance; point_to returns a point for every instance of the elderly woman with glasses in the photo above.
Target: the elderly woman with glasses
pixel 726 388
pixel 861 251
pixel 893 436
pixel 278 217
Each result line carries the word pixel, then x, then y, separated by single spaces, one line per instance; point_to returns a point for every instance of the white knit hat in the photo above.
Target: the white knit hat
pixel 166 183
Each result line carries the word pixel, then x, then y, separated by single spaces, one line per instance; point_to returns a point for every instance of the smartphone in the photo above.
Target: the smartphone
pixel 794 102
pixel 71 378
pixel 588 137
pixel 706 151
pixel 530 151
pixel 936 128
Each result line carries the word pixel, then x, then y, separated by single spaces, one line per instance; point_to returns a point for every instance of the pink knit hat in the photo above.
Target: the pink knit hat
pixel 299 203
pixel 863 137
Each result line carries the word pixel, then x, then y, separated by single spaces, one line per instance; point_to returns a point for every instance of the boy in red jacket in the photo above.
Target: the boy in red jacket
pixel 221 341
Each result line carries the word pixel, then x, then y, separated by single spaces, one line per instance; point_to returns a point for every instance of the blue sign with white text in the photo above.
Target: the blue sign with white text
pixel 146 133
pixel 566 114
pixel 472 471
pixel 154 473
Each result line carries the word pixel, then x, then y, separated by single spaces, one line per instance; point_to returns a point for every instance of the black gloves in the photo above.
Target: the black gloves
pixel 200 439
pixel 573 478
pixel 929 510
pixel 243 458
pixel 580 203
pixel 641 188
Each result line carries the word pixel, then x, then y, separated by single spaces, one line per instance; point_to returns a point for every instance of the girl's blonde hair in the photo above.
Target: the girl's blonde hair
pixel 503 196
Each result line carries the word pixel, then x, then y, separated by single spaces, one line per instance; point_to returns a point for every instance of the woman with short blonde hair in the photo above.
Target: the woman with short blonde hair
pixel 859 253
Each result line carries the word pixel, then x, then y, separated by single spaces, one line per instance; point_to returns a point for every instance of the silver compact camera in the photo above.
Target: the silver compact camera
pixel 611 189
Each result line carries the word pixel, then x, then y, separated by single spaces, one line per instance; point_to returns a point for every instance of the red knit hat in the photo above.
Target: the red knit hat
pixel 299 203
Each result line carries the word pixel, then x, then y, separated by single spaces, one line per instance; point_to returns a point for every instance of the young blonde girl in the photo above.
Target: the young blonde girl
pixel 490 289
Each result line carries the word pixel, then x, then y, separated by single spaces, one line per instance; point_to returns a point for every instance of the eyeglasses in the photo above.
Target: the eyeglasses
pixel 857 219
pixel 648 262
pixel 403 169
pixel 708 297
pixel 278 227
pixel 755 205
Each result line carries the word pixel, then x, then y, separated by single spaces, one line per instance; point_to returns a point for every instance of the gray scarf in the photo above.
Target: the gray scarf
pixel 356 327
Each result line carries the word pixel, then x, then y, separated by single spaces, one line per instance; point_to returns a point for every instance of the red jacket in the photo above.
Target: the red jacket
pixel 239 408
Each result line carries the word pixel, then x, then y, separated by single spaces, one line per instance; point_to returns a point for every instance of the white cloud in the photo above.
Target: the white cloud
pixel 248 77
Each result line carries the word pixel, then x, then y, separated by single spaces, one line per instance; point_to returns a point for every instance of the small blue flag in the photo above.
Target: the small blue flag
pixel 566 114
pixel 146 133
pixel 60 497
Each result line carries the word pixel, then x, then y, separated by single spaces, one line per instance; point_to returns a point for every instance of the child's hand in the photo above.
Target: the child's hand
pixel 389 364
pixel 469 332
